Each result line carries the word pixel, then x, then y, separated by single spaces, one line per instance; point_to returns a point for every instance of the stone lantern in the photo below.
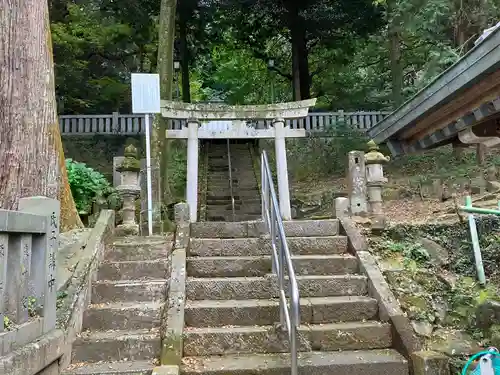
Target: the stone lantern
pixel 129 190
pixel 374 161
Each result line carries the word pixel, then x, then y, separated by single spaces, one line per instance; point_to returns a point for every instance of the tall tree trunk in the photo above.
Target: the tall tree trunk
pixel 299 39
pixel 31 152
pixel 295 73
pixel 184 52
pixel 165 67
pixel 395 54
pixel 293 21
pixel 300 55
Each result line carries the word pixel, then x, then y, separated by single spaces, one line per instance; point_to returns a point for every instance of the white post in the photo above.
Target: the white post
pixel 192 169
pixel 282 169
pixel 148 176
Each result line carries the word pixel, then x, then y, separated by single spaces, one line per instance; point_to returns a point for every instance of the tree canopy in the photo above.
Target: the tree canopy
pixel 350 54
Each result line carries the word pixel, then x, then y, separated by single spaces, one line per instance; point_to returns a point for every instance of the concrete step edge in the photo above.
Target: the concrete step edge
pixel 111 368
pixel 303 327
pixel 230 303
pixel 119 335
pixel 134 282
pixel 134 305
pixel 299 277
pixel 147 261
pixel 294 257
pixel 311 362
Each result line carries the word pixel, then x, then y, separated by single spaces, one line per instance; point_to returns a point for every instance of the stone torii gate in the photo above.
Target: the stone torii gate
pixel 197 128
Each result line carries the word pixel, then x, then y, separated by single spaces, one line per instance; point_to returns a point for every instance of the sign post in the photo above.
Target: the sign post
pixel 146 100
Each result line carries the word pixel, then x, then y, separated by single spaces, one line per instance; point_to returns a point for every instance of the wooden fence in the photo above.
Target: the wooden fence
pixel 28 244
pixel 119 124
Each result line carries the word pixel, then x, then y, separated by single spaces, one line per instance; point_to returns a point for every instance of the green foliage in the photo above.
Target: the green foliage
pixel 177 169
pixel 7 323
pixel 87 185
pixel 326 155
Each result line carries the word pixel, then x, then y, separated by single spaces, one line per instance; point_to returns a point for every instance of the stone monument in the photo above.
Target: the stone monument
pixel 356 181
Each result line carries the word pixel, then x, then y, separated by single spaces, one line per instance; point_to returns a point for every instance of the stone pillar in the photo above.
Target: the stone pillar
pixel 192 169
pixel 117 178
pixel 341 207
pixel 129 190
pixel 282 169
pixel 356 182
pixel 374 161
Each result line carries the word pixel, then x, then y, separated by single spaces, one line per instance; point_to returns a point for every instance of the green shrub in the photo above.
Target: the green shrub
pixel 325 154
pixel 87 185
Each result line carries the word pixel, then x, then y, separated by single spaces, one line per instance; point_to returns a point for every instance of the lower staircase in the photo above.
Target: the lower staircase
pixel 121 326
pixel 220 191
pixel 232 306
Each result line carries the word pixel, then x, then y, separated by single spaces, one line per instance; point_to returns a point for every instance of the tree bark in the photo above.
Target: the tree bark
pixel 31 152
pixel 300 58
pixel 395 55
pixel 165 67
pixel 184 52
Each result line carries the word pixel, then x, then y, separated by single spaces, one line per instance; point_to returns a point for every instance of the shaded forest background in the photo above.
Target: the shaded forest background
pixel 350 54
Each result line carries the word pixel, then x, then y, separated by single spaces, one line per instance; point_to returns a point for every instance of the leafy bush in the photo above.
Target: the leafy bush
pixel 87 185
pixel 323 155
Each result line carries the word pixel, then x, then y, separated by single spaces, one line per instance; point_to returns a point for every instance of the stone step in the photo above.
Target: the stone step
pixel 238 191
pixel 261 265
pixel 226 200
pixel 293 228
pixel 134 270
pixel 122 316
pixel 126 290
pixel 317 310
pixel 227 204
pixel 111 368
pixel 207 247
pixel 238 195
pixel 217 211
pixel 137 345
pixel 362 362
pixel 271 339
pixel 230 218
pixel 240 288
pixel 139 248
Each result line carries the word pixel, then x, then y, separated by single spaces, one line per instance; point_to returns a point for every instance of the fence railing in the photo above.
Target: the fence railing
pixel 28 244
pixel 282 260
pixel 120 124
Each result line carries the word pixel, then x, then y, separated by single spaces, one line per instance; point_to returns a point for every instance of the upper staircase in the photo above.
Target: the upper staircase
pixel 228 161
pixel 232 306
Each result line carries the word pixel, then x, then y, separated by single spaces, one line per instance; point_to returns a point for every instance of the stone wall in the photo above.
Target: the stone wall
pixel 52 352
pixel 98 151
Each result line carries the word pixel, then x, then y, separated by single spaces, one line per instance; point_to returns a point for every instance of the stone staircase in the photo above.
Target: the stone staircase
pixel 245 189
pixel 232 309
pixel 121 326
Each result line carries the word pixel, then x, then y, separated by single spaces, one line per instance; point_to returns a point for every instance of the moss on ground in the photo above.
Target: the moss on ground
pixel 443 298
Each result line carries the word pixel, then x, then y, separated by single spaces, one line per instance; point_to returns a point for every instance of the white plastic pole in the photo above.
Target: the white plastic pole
pixel 148 174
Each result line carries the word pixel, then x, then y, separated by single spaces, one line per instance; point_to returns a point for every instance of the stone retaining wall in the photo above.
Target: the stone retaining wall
pixel 52 353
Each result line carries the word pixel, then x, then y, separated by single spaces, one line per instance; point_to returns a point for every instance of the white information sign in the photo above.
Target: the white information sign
pixel 146 100
pixel 145 93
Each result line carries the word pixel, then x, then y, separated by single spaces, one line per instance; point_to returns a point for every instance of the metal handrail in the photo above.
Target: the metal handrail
pixel 289 315
pixel 230 178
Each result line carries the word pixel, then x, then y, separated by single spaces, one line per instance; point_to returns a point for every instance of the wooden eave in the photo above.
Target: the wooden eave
pixel 464 96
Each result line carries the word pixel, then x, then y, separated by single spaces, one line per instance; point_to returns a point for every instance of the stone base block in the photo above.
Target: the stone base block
pixel 127 230
pixel 430 363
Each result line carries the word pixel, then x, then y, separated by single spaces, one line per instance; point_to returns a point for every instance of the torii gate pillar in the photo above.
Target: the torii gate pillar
pixel 282 169
pixel 192 169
